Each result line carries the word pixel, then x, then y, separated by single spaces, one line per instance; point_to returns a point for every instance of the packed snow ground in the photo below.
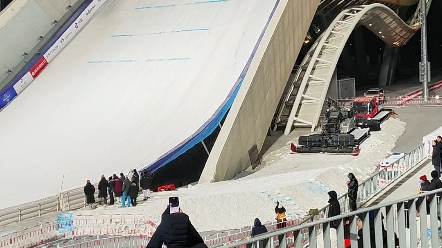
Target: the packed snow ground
pixel 109 101
pixel 300 181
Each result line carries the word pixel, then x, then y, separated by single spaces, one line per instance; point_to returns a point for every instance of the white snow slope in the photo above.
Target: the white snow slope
pixel 141 78
pixel 299 181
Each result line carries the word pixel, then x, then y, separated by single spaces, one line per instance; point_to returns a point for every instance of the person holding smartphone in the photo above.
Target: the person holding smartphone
pixel 175 229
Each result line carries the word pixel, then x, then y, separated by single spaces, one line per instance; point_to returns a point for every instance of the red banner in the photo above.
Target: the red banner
pixel 38 67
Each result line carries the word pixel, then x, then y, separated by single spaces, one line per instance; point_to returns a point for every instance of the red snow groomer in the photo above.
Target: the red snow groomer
pixel 368 114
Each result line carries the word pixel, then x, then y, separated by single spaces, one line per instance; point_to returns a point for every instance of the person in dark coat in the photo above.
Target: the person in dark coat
pixel 353 185
pixel 89 191
pixel 102 190
pixel 436 156
pixel 258 228
pixel 135 177
pixel 145 183
pixel 425 184
pixel 371 219
pixel 118 187
pixel 435 183
pixel 133 192
pixel 126 194
pixel 334 208
pixel 176 231
pixel 110 191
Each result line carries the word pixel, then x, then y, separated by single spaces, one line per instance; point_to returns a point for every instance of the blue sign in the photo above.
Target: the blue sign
pixel 7 97
pixel 64 222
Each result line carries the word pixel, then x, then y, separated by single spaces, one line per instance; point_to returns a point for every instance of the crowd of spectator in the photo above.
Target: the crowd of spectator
pixel 122 189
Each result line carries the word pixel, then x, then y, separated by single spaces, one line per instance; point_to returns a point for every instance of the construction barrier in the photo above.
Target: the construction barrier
pixel 30 237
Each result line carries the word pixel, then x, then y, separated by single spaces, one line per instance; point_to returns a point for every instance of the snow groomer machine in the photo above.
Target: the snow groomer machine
pixel 339 134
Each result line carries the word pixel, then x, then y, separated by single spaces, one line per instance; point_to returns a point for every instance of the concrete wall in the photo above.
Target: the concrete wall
pixel 252 111
pixel 21 24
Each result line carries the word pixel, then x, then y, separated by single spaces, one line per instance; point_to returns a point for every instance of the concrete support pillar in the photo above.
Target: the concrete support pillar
pixel 390 59
pixel 348 61
pixel 389 65
pixel 361 57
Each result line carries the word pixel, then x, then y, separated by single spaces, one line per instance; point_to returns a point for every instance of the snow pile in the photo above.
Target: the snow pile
pixel 299 181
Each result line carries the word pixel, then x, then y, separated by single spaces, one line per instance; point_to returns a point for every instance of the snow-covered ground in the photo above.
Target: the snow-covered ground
pixel 299 181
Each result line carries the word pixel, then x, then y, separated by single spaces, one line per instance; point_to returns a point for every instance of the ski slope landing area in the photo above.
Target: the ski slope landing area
pixel 144 80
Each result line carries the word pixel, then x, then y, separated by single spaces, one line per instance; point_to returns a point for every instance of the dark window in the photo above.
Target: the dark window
pixel 4 3
pixel 361 107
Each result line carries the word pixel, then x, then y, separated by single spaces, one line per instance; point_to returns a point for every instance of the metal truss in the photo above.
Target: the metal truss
pixel 318 66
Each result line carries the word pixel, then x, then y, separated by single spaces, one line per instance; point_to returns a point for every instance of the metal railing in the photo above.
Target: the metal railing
pixel 403 223
pixel 379 181
pixel 139 230
pixel 404 101
pixel 74 200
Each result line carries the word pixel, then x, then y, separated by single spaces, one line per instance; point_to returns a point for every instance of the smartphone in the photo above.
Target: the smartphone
pixel 174 204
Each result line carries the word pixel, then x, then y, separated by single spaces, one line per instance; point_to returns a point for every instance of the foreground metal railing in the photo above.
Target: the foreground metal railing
pixel 403 223
pixel 367 190
pixel 379 181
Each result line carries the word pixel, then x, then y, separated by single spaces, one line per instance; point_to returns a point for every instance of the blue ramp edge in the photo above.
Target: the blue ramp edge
pixel 7 89
pixel 209 126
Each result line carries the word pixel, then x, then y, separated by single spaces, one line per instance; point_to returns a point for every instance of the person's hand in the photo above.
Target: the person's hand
pixel 359 224
pixel 348 182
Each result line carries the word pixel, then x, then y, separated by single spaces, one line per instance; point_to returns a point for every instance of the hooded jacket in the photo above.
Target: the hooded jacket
pixel 102 187
pixel 353 186
pixel 133 190
pixel 258 228
pixel 371 218
pixel 118 187
pixel 145 181
pixel 175 231
pixel 136 178
pixel 126 186
pixel 425 186
pixel 436 156
pixel 89 191
pixel 334 209
pixel 435 183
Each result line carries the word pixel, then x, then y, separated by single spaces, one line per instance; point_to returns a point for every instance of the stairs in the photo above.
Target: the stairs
pixel 293 211
pixel 317 188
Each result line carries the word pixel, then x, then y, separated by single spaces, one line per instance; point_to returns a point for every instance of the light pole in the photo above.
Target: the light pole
pixel 424 65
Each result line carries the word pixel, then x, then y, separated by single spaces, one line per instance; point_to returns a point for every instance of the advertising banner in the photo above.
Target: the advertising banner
pixel 7 97
pixel 24 82
pixel 79 23
pixel 73 30
pixel 38 67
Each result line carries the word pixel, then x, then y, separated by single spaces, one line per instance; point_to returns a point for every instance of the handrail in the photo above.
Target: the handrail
pixel 310 227
pixel 380 174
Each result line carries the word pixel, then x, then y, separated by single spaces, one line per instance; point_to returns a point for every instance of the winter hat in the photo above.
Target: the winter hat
pixel 434 174
pixel 423 178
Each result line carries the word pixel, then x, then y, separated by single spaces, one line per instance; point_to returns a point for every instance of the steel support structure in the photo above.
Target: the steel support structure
pixel 327 11
pixel 424 67
pixel 361 56
pixel 325 53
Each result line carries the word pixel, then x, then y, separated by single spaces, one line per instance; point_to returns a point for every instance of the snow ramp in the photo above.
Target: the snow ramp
pixel 142 83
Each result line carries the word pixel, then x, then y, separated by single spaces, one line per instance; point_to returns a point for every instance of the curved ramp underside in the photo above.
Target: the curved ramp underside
pixel 323 57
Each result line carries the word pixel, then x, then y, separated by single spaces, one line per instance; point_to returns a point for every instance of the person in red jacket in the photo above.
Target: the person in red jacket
pixel 118 188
